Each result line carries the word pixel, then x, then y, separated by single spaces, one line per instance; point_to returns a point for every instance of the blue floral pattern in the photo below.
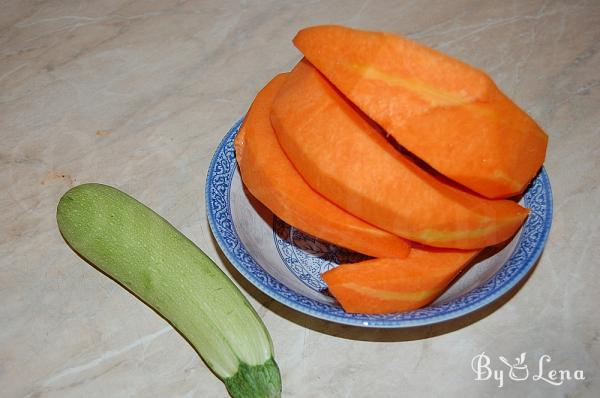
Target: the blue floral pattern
pixel 307 257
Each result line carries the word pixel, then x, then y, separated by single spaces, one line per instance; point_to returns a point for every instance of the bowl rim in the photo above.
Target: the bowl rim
pixel 237 254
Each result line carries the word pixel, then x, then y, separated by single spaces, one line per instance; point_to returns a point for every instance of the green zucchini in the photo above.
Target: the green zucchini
pixel 147 255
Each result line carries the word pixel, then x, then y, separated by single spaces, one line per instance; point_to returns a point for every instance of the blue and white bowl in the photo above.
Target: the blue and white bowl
pixel 286 264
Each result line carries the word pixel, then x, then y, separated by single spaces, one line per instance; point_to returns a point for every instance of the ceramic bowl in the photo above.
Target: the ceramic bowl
pixel 286 263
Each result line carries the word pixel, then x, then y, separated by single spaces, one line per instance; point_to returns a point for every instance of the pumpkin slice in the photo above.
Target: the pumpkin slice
pixel 447 113
pixel 271 178
pixel 345 158
pixel 385 285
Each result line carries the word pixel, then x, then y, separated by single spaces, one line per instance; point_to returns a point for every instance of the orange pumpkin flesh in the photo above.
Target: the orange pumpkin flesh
pixel 449 114
pixel 273 180
pixel 346 159
pixel 390 285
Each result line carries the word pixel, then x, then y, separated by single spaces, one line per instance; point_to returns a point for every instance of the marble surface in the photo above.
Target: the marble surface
pixel 137 94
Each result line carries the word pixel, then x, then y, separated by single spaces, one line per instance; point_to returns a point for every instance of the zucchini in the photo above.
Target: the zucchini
pixel 147 255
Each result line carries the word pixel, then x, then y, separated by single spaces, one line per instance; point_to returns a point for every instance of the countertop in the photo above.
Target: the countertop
pixel 138 94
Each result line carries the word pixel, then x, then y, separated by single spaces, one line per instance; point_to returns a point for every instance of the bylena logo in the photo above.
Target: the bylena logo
pixel 519 370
